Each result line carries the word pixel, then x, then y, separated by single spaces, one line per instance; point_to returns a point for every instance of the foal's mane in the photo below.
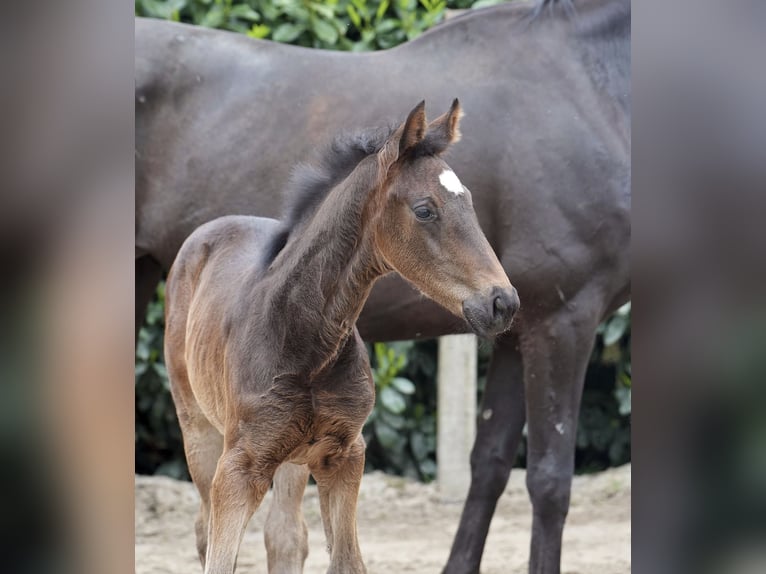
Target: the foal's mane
pixel 310 183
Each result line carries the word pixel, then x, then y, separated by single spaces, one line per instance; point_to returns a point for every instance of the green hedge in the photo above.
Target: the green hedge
pixel 334 24
pixel 401 431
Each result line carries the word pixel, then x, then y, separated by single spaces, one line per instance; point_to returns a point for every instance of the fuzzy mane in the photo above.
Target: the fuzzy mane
pixel 311 183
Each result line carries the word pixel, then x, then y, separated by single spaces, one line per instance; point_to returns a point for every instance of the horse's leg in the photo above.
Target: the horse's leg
pixel 238 487
pixel 285 531
pixel 324 509
pixel 499 429
pixel 203 445
pixel 556 352
pixel 148 274
pixel 339 480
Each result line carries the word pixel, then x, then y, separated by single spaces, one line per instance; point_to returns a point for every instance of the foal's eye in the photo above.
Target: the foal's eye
pixel 423 213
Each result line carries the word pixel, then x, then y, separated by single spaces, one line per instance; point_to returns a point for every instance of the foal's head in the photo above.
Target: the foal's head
pixel 427 229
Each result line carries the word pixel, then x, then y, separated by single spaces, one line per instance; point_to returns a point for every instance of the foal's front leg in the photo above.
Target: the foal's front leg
pixel 338 481
pixel 238 488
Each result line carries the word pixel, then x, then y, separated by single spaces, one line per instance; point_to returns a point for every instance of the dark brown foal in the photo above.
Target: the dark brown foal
pixel 268 372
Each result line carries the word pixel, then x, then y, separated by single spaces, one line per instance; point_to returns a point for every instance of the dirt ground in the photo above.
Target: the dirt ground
pixel 403 527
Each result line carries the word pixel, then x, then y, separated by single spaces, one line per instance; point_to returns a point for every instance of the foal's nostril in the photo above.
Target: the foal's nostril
pixel 499 306
pixel 491 314
pixel 505 304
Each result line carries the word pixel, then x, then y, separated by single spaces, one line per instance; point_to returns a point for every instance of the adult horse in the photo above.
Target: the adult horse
pixel 221 118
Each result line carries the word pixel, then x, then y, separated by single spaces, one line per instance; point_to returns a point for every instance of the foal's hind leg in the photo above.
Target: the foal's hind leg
pixel 285 532
pixel 203 445
pixel 338 481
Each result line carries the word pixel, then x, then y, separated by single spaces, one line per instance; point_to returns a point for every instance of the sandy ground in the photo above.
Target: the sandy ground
pixel 403 527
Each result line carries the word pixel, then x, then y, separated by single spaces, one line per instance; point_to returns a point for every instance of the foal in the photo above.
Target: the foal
pixel 265 363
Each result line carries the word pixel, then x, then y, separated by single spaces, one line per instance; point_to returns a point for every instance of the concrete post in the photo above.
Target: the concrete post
pixel 456 422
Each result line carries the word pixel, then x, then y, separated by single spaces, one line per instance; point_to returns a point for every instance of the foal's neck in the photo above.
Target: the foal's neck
pixel 321 279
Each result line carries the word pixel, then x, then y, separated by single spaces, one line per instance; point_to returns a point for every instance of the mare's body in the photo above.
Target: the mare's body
pixel 545 150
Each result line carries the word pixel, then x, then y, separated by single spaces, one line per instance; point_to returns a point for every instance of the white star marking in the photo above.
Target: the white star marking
pixel 450 182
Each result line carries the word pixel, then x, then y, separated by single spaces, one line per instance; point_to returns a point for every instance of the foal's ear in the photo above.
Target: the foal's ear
pixel 444 130
pixel 414 129
pixel 405 137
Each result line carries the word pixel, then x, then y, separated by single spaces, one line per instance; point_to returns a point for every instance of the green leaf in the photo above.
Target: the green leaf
pixel 245 12
pixel 160 369
pixel 155 313
pixel 380 356
pixel 259 31
pixel 485 3
pixel 624 310
pixel 361 46
pixel 402 347
pixel 611 354
pixel 142 349
pixel 623 396
pixel 615 329
pixel 395 421
pixel 237 26
pixel 419 446
pixel 214 18
pixel 386 26
pixel 382 9
pixel 428 425
pixel 165 9
pixel 326 11
pixel 428 468
pixel 368 36
pixel 325 31
pixel 392 400
pixel 357 21
pixel 287 32
pixel 297 12
pixel 387 436
pixel 269 11
pixel 404 386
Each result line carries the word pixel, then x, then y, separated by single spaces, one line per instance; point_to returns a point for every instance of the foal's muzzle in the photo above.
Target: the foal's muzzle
pixel 491 314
